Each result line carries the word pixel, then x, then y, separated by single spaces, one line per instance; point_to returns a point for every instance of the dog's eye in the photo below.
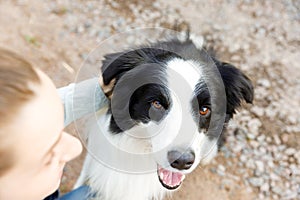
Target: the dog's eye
pixel 156 104
pixel 204 111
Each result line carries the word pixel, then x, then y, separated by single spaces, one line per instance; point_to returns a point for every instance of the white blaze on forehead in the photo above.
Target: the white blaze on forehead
pixel 178 129
pixel 189 70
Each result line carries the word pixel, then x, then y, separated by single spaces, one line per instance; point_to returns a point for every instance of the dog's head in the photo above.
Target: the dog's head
pixel 162 93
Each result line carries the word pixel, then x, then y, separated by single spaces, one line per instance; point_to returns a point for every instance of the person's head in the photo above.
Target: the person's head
pixel 33 146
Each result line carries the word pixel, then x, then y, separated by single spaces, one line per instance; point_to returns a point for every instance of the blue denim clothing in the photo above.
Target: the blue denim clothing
pixel 81 193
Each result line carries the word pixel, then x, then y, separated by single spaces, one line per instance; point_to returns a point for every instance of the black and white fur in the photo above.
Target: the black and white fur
pixel 157 65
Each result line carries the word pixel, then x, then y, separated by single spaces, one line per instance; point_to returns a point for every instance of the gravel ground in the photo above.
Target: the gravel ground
pixel 261 158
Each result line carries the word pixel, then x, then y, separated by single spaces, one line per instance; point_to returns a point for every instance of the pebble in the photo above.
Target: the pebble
pixel 264 83
pixel 256 182
pixel 274 177
pixel 254 125
pixel 250 164
pixel 254 143
pixel 260 166
pixel 297 157
pixel 270 164
pixel 269 139
pixel 221 170
pixel 290 151
pixel 261 138
pixel 290 195
pixel 270 112
pixel 251 136
pixel 277 140
pixel 277 190
pixel 292 119
pixel 265 187
pixel 285 138
pixel 243 158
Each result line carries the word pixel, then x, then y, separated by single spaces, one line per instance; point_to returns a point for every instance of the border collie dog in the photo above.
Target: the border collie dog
pixel 169 105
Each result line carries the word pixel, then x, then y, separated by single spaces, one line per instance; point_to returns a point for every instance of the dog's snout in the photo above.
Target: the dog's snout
pixel 181 161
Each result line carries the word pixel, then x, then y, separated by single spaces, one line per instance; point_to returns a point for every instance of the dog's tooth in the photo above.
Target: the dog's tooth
pixel 183 177
pixel 161 174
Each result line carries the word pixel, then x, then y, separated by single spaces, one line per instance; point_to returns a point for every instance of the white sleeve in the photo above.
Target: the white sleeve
pixel 81 98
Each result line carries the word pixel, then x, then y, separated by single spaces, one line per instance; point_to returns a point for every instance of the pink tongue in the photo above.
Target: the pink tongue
pixel 171 178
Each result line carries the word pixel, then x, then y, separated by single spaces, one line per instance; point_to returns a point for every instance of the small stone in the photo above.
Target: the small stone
pixel 227 153
pixel 220 173
pixel 269 139
pixel 254 144
pixel 261 32
pixel 290 195
pixel 262 150
pixel 281 147
pixel 270 112
pixel 264 83
pixel 297 157
pixel 284 158
pixel 80 29
pixel 277 139
pixel 270 164
pixel 292 119
pixel 279 169
pixel 275 196
pixel 277 190
pixel 221 170
pixel 261 138
pixel 243 158
pixel 274 177
pixel 295 169
pixel 291 160
pixel 250 164
pixel 283 163
pixel 256 182
pixel 237 148
pixel 236 178
pixel 254 125
pixel 258 111
pixel 260 166
pixel 285 138
pixel 251 136
pixel 257 173
pixel 261 196
pixel 287 185
pixel 265 187
pixel 290 151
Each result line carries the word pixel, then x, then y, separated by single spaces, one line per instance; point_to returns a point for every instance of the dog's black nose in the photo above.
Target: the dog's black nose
pixel 181 160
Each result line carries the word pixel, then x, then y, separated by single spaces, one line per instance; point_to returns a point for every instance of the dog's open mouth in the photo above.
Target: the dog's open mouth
pixel 170 180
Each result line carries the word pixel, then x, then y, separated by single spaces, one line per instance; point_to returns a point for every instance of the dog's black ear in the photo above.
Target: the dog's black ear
pixel 237 85
pixel 116 64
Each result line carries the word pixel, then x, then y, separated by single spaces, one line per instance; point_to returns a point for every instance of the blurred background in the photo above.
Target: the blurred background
pixel 261 158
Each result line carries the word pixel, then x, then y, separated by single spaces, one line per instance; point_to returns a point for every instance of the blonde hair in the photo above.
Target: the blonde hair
pixel 16 75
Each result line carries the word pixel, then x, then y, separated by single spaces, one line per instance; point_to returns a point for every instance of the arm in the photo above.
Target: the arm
pixel 81 99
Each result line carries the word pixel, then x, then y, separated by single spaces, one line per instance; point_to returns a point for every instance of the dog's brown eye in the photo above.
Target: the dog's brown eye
pixel 157 104
pixel 204 111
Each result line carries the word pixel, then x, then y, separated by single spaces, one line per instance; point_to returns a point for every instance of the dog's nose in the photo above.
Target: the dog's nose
pixel 181 160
